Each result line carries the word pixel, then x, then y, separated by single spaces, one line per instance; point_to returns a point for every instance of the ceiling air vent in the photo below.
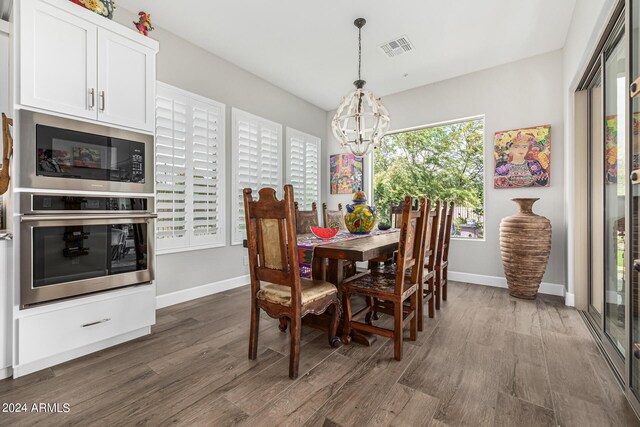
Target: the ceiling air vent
pixel 397 46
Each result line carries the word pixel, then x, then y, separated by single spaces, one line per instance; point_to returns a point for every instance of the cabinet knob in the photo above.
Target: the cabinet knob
pixel 635 177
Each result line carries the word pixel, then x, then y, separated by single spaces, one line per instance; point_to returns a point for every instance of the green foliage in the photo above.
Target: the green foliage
pixel 444 162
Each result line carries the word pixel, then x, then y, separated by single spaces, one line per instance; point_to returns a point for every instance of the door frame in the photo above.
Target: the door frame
pixel 615 33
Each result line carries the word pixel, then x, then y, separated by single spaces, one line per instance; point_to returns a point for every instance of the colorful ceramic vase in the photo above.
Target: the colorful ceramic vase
pixel 360 217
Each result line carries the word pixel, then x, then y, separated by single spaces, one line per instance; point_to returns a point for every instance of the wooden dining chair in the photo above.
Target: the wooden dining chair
pixel 428 272
pixel 441 267
pixel 276 286
pixel 334 217
pixel 389 292
pixel 306 219
pixel 427 275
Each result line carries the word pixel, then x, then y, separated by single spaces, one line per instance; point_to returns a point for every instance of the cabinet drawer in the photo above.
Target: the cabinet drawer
pixel 47 334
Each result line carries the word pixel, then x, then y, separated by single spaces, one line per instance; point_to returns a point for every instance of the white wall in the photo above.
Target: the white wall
pixel 521 94
pixel 186 66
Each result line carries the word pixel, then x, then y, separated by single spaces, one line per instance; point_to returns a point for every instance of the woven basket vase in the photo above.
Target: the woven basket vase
pixel 525 244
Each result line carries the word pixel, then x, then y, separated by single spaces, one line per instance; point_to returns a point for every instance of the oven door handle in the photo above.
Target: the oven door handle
pixel 27 218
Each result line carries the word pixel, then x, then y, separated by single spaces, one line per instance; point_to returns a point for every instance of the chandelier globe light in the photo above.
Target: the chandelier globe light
pixel 361 120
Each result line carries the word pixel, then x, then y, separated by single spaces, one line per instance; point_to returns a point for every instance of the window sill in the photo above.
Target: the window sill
pixel 468 239
pixel 190 249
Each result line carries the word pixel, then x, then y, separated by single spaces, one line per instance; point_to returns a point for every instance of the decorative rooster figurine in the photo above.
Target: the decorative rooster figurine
pixel 144 23
pixel 7 151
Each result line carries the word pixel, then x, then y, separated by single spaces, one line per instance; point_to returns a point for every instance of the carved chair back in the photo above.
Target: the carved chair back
pixel 334 217
pixel 433 236
pixel 411 244
pixel 395 212
pixel 447 236
pixel 271 240
pixel 306 219
pixel 444 234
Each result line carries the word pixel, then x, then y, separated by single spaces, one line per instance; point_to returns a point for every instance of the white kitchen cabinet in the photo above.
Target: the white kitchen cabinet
pixel 77 63
pixel 52 334
pixel 6 274
pixel 126 80
pixel 58 64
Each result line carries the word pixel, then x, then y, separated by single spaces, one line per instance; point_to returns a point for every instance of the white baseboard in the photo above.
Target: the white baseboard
pixel 501 282
pixel 200 291
pixel 5 372
pixel 570 299
pixel 28 368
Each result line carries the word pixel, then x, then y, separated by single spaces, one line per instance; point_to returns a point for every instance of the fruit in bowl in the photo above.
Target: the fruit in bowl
pixel 324 233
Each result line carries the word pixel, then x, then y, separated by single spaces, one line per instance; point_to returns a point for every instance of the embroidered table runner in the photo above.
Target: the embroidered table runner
pixel 308 242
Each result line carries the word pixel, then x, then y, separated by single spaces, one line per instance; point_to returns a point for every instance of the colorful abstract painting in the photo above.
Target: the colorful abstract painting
pixel 346 173
pixel 523 157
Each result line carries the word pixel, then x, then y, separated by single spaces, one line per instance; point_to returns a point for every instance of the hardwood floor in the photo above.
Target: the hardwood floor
pixel 485 359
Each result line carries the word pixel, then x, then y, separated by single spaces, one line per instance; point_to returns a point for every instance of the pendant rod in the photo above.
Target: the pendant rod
pixel 359 23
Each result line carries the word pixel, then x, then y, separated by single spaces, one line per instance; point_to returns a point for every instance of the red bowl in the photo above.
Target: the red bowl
pixel 324 233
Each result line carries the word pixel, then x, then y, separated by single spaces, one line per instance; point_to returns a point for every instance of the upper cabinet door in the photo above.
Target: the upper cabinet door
pixel 57 60
pixel 126 81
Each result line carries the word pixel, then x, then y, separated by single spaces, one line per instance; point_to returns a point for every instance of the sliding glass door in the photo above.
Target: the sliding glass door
pixel 615 192
pixel 634 134
pixel 608 177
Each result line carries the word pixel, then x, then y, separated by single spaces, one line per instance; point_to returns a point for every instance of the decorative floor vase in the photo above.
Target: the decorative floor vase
pixel 525 244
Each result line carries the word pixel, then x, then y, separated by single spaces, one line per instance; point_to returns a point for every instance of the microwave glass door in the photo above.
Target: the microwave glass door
pixel 63 254
pixel 71 154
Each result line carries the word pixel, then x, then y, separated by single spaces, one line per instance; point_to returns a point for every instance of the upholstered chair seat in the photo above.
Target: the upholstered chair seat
pixel 310 290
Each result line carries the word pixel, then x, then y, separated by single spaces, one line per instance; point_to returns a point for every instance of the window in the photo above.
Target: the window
pixel 303 167
pixel 443 162
pixel 257 162
pixel 190 196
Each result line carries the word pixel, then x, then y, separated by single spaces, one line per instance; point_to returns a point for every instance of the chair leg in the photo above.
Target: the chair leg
pixel 334 341
pixel 371 314
pixel 346 327
pixel 283 324
pixel 397 330
pixel 431 300
pixel 413 303
pixel 438 288
pixel 445 282
pixel 420 310
pixel 253 332
pixel 294 356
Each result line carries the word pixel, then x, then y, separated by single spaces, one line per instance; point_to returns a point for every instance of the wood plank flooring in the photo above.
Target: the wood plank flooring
pixel 486 359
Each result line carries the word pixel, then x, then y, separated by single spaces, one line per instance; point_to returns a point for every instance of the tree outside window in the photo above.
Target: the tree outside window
pixel 444 162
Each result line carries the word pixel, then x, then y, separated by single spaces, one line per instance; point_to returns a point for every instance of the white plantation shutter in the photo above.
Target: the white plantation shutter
pixel 189 170
pixel 303 167
pixel 207 184
pixel 257 162
pixel 171 168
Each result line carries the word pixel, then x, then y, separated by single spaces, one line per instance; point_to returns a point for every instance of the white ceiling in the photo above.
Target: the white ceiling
pixel 309 48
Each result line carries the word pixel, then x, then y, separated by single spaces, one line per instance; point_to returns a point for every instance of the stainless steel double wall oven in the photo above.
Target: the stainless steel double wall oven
pixel 86 208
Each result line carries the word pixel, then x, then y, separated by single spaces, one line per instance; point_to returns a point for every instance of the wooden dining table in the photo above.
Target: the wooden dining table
pixel 328 264
pixel 333 256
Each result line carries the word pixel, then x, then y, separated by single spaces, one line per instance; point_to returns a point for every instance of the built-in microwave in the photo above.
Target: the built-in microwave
pixel 72 245
pixel 64 154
